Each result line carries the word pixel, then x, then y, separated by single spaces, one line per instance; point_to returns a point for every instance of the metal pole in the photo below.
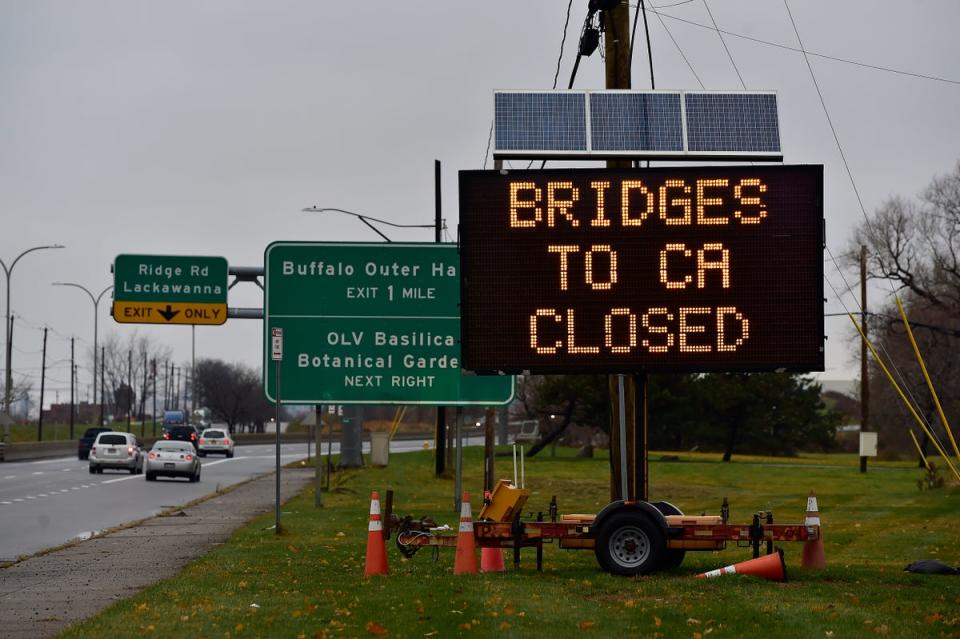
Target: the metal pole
pixel 193 368
pixel 43 379
pixel 317 471
pixel 71 388
pixel 153 370
pixel 277 526
pixel 440 440
pixel 623 439
pixel 129 386
pixel 458 481
pixel 143 397
pixel 103 351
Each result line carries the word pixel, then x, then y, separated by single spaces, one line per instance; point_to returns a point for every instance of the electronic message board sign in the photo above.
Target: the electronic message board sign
pixel 687 269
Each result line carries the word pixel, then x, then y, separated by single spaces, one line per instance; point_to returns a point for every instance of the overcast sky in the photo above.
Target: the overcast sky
pixel 202 128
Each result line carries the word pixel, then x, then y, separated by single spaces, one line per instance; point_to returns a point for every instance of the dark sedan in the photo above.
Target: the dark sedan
pixel 87 439
pixel 183 434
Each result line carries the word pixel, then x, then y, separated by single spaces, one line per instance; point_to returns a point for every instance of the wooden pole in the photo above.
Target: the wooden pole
pixel 864 372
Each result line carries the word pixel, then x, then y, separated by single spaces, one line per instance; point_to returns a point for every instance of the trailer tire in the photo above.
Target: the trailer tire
pixel 630 543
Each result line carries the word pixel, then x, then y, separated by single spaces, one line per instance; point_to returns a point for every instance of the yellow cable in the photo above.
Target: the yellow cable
pixel 903 397
pixel 926 376
pixel 919 450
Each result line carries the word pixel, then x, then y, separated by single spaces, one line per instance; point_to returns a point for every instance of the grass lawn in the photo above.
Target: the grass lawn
pixel 61 432
pixel 309 582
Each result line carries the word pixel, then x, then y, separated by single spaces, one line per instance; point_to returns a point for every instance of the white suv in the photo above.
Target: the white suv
pixel 215 440
pixel 116 450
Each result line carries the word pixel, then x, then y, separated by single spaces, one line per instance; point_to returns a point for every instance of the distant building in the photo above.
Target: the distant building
pixel 85 413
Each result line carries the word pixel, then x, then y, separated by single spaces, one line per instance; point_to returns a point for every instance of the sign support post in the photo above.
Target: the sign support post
pixel 278 358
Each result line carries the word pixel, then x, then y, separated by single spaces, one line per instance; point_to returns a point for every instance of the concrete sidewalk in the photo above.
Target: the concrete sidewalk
pixel 44 595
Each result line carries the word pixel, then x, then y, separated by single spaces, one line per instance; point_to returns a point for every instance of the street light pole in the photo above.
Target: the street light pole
pixel 8 271
pixel 96 304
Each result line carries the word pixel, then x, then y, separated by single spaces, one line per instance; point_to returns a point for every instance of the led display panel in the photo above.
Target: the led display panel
pixel 686 269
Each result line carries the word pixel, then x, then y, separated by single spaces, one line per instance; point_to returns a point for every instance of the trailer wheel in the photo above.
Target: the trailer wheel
pixel 630 543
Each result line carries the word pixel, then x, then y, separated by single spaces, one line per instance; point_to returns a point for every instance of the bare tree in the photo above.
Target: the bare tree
pixel 915 245
pixel 119 353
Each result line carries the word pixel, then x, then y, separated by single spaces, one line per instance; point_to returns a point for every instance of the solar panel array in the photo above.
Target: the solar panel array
pixel 542 121
pixel 650 124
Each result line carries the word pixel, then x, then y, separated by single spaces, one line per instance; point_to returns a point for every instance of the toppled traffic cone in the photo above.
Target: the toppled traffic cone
pixel 376 547
pixel 466 559
pixel 491 559
pixel 813 555
pixel 770 567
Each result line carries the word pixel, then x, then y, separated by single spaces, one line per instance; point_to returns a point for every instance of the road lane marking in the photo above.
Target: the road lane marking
pixel 43 495
pixel 18 499
pixel 113 481
pixel 75 487
pixel 6 502
pixel 64 490
pixel 10 477
pixel 39 472
pixel 30 497
pixel 205 464
pixel 66 470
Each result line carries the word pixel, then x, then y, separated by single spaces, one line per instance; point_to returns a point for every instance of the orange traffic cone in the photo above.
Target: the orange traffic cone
pixel 376 547
pixel 491 559
pixel 813 556
pixel 466 560
pixel 770 567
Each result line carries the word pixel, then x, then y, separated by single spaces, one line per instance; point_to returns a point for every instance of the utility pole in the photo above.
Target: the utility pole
pixel 153 372
pixel 43 379
pixel 440 441
pixel 71 387
pixel 628 479
pixel 103 396
pixel 143 397
pixel 864 373
pixel 129 387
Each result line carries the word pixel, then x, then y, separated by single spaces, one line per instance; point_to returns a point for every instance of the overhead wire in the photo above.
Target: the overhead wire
pixel 875 67
pixel 724 43
pixel 680 50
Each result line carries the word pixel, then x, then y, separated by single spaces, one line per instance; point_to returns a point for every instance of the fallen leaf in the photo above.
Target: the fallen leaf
pixel 238 627
pixel 697 635
pixel 629 603
pixel 242 585
pixel 184 617
pixel 320 634
pixel 419 606
pixel 508 610
pixel 503 626
pixel 882 629
pixel 585 625
pixel 142 607
pixel 464 626
pixel 693 622
pixel 934 618
pixel 657 621
pixel 376 629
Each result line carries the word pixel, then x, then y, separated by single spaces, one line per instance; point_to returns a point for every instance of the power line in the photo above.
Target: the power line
pixel 680 50
pixel 563 41
pixel 724 43
pixel 843 156
pixel 875 67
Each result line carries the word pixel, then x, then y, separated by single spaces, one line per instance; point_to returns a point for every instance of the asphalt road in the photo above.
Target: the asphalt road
pixel 53 501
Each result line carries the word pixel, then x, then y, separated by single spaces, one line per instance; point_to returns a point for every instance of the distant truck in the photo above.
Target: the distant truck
pixel 174 418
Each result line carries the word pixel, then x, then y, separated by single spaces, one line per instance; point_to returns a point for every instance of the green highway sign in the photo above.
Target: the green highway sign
pixel 369 324
pixel 169 289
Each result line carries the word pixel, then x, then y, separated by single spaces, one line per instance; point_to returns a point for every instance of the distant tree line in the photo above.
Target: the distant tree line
pixel 759 413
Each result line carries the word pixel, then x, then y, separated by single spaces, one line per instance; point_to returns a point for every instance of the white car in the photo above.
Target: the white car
pixel 172 459
pixel 215 440
pixel 116 450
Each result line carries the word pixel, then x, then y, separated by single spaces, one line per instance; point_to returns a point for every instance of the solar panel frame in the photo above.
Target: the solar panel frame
pixel 757 128
pixel 589 152
pixel 542 151
pixel 651 128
